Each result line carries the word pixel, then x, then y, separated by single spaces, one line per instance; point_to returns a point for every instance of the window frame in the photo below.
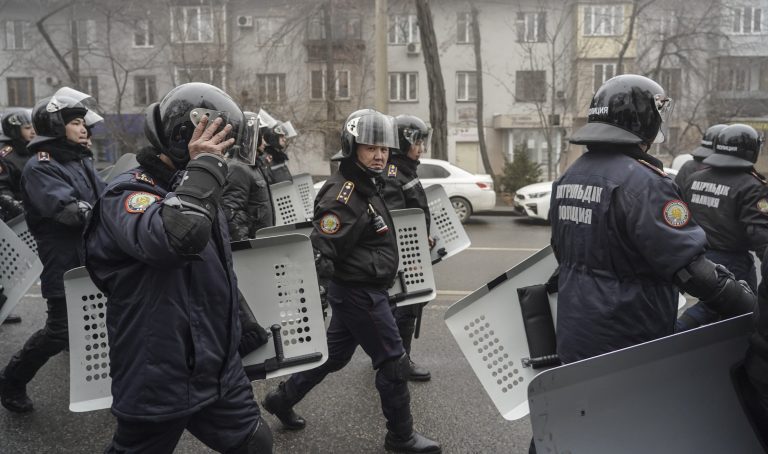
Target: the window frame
pixel 183 39
pixel 279 84
pixel 337 84
pixel 529 75
pixel 464 24
pixel 466 86
pixel 596 13
pixel 15 99
pixel 738 18
pixel 12 24
pixel 150 94
pixel 90 32
pixel 412 28
pixel 145 29
pixel 595 84
pixel 403 81
pixel 539 26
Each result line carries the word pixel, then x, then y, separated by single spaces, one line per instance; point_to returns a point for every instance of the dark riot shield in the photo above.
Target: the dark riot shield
pixel 126 162
pixel 302 228
pixel 19 225
pixel 446 228
pixel 289 209
pixel 277 278
pixel 306 189
pixel 488 326
pixel 415 282
pixel 671 395
pixel 20 268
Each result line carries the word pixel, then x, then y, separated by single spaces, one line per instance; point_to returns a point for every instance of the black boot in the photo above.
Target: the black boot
pixel 415 443
pixel 416 372
pixel 11 319
pixel 280 404
pixel 13 395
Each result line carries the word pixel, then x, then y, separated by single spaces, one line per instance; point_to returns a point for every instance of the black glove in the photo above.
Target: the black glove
pixel 254 336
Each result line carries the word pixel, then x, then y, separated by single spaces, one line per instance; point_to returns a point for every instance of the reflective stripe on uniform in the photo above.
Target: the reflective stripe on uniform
pixel 410 184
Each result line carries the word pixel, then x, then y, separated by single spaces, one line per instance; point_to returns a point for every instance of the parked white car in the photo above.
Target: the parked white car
pixel 533 200
pixel 469 193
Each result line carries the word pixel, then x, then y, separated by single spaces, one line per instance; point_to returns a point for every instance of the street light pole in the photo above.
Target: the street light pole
pixel 382 100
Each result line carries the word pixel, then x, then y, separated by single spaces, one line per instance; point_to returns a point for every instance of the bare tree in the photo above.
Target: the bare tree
pixel 435 84
pixel 479 101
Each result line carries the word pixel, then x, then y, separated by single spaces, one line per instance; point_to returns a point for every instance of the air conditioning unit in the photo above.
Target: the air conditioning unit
pixel 413 48
pixel 52 81
pixel 245 21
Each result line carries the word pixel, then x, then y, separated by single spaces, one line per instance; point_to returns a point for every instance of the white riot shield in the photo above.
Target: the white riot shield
pixel 671 395
pixel 302 228
pixel 306 189
pixel 446 228
pixel 415 282
pixel 289 208
pixel 281 269
pixel 488 326
pixel 89 380
pixel 126 162
pixel 19 225
pixel 20 268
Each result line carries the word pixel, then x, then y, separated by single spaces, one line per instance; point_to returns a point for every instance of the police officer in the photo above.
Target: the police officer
pixel 276 144
pixel 729 200
pixel 247 200
pixel 58 186
pixel 403 189
pixel 17 132
pixel 699 154
pixel 356 250
pixel 159 249
pixel 623 239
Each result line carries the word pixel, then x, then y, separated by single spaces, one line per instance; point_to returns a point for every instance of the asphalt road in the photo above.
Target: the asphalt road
pixel 343 413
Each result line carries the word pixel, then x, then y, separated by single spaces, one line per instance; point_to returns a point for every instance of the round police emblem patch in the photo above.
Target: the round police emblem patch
pixel 138 202
pixel 676 214
pixel 762 206
pixel 330 224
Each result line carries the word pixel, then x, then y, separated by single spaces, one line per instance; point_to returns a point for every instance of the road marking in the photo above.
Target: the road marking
pixel 453 292
pixel 503 249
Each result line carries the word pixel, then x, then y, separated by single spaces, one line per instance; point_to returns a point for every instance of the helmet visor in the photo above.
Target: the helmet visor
pixel 374 129
pixel 290 131
pixel 664 106
pixel 68 98
pixel 266 120
pixel 418 136
pixel 239 132
pixel 247 151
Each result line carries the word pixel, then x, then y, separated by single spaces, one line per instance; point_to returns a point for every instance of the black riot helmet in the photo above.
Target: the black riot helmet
pixel 626 110
pixel 410 131
pixel 51 115
pixel 11 123
pixel 280 129
pixel 369 128
pixel 170 123
pixel 736 146
pixel 707 142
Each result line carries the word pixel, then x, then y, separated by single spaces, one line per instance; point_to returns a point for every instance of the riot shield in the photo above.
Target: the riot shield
pixel 89 380
pixel 19 226
pixel 289 209
pixel 302 228
pixel 415 282
pixel 306 189
pixel 489 329
pixel 126 162
pixel 20 268
pixel 282 269
pixel 446 228
pixel 671 395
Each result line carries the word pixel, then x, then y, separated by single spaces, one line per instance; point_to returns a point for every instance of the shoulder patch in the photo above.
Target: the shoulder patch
pixel 141 176
pixel 5 151
pixel 676 214
pixel 43 156
pixel 392 170
pixel 759 177
pixel 138 202
pixel 653 167
pixel 330 224
pixel 346 192
pixel 762 206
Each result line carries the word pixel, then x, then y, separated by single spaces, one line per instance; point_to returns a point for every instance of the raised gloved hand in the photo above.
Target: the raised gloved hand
pixel 253 337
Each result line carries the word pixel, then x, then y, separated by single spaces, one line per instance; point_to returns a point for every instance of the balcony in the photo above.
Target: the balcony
pixel 344 50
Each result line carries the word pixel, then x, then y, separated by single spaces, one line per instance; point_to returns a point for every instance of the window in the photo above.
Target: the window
pixel 603 72
pixel 343 26
pixel 191 24
pixel 603 20
pixel 317 84
pixel 530 86
pixel 90 85
pixel 269 30
pixel 403 87
pixel 425 171
pixel 531 27
pixel 732 77
pixel 403 29
pixel 84 32
pixel 668 23
pixel 144 90
pixel 466 86
pixel 271 87
pixel 143 34
pixel 670 79
pixel 14 34
pixel 464 28
pixel 763 82
pixel 747 19
pixel 21 91
pixel 206 74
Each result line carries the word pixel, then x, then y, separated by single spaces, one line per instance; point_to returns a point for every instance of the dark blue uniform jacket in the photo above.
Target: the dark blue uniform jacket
pixel 50 182
pixel 620 233
pixel 172 321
